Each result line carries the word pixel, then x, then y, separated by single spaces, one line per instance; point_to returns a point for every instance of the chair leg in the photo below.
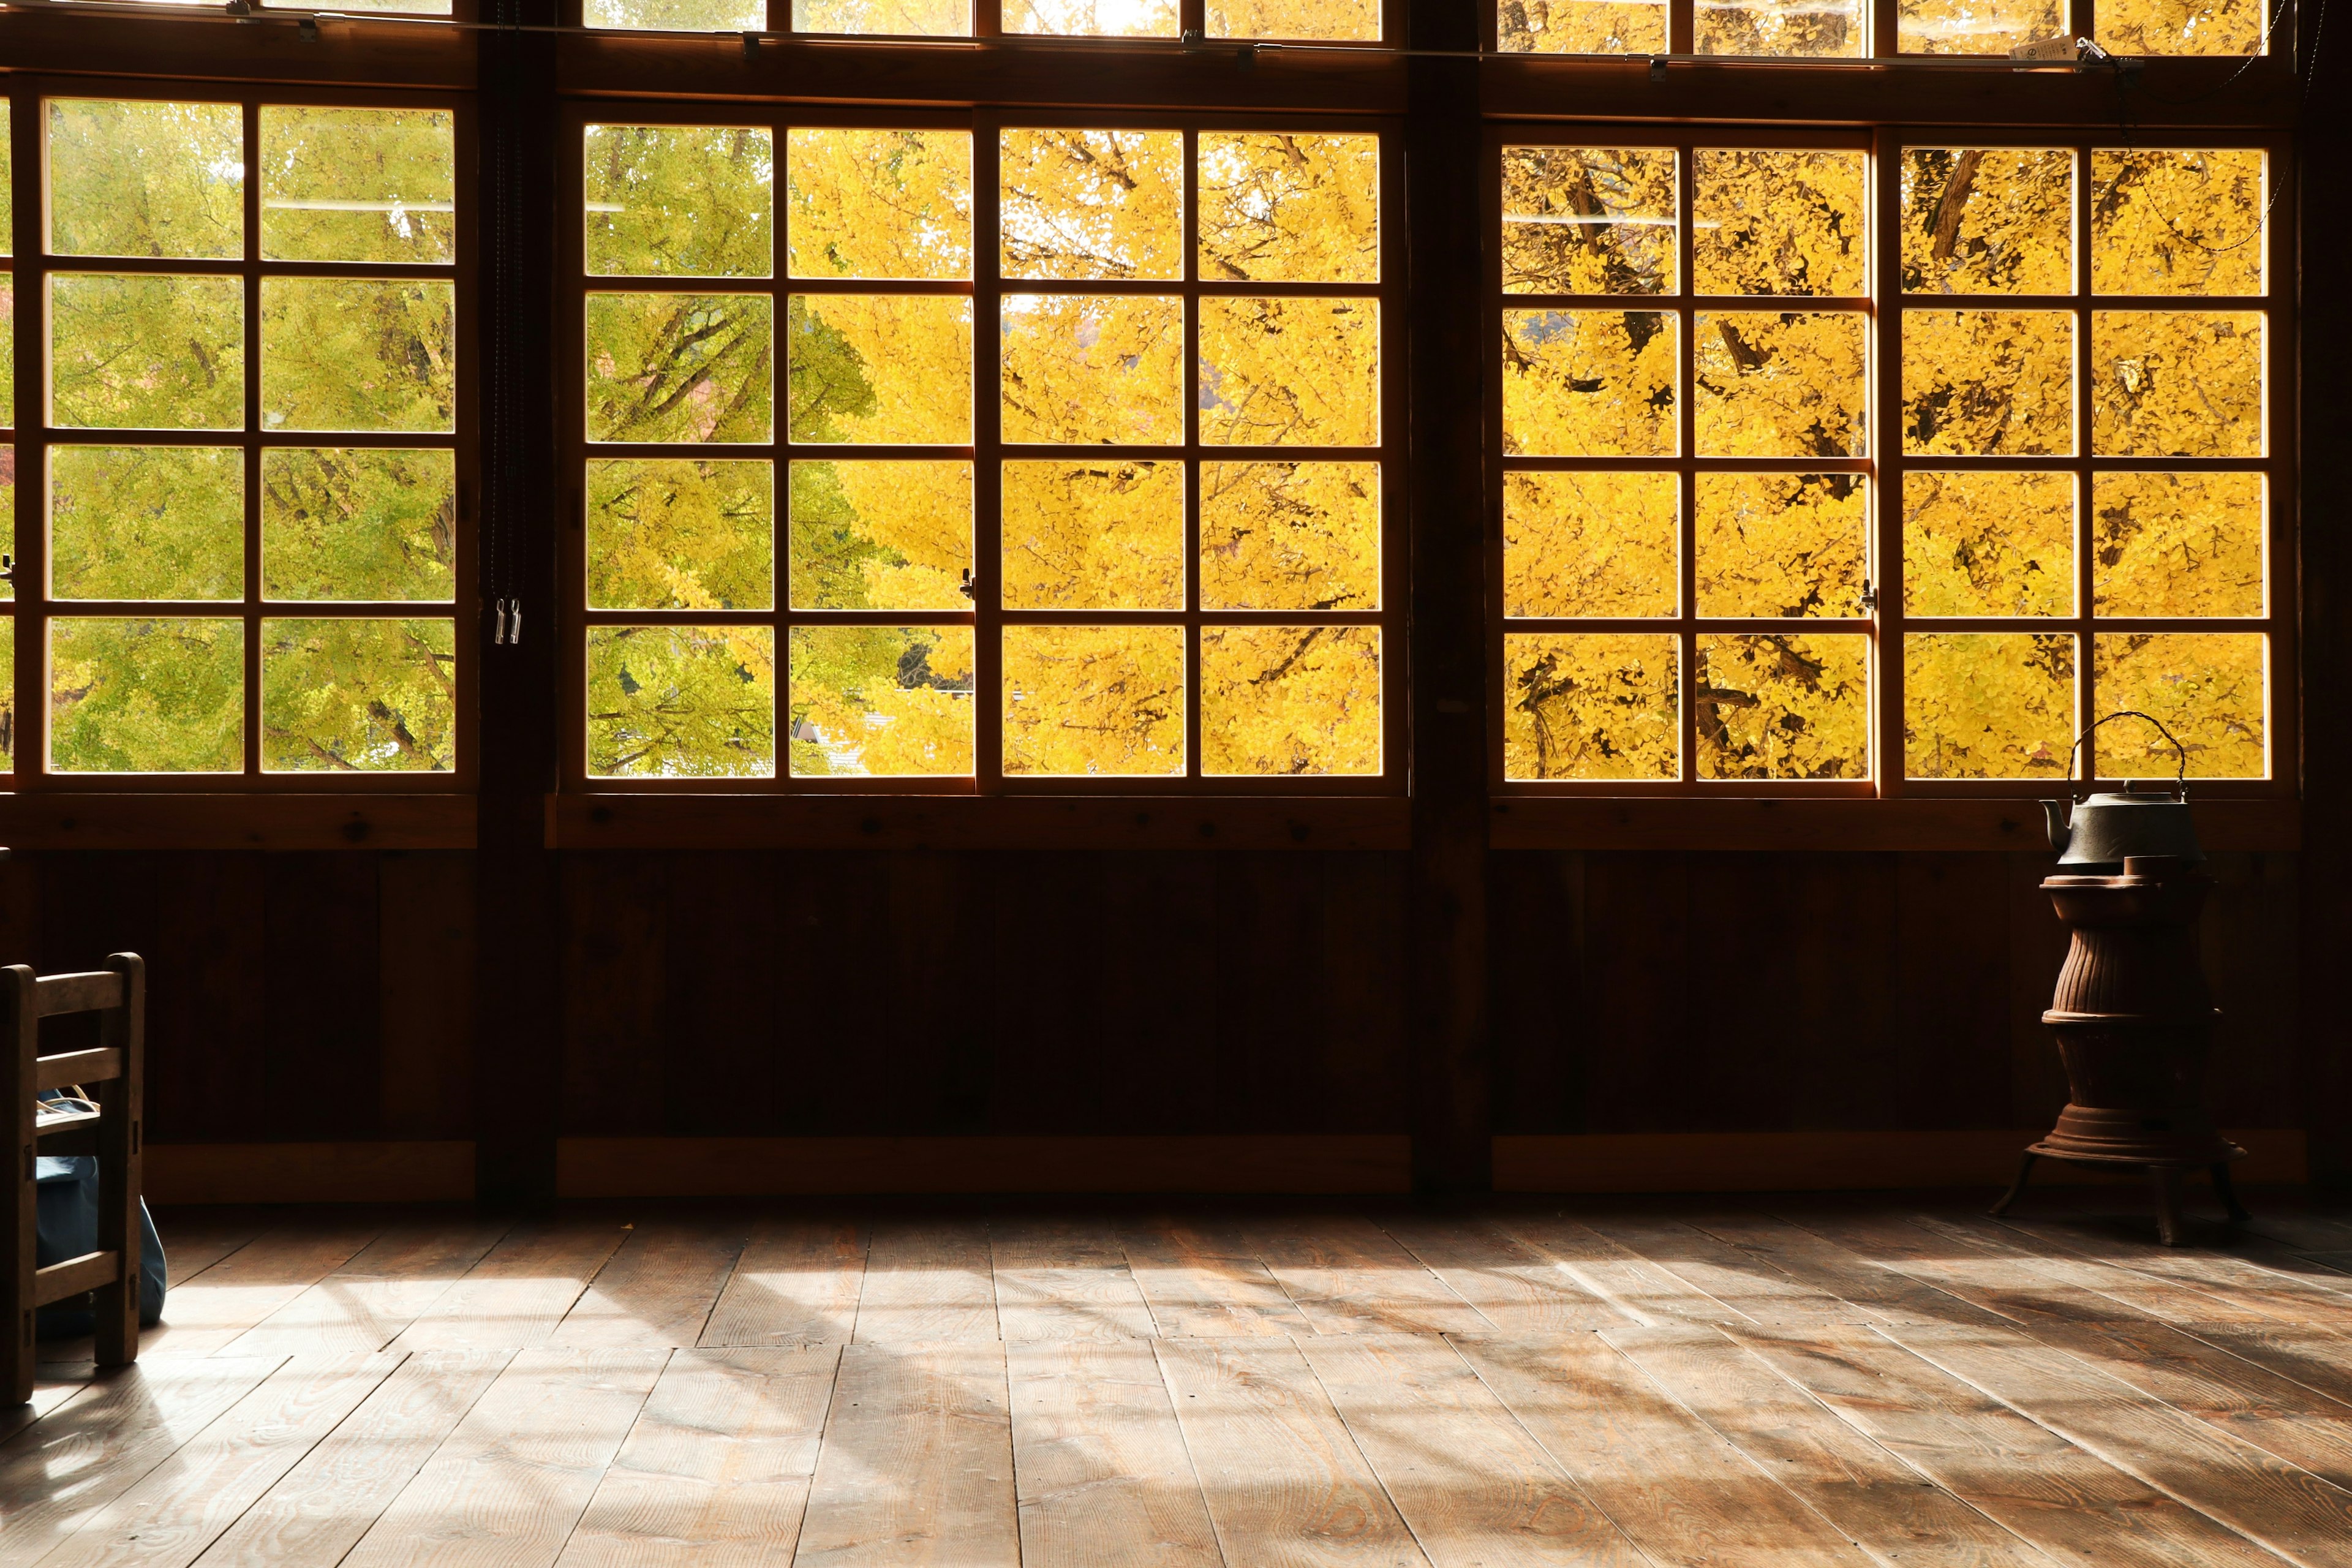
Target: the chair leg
pixel 2227 1192
pixel 2171 1224
pixel 2016 1188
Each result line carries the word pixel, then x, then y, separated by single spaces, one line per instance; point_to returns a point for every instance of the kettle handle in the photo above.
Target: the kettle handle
pixel 2180 778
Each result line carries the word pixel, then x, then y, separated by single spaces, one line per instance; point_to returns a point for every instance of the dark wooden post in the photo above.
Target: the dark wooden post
pixel 122 1100
pixel 20 1026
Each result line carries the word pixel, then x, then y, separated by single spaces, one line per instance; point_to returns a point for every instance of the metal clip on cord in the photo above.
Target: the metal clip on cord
pixel 510 623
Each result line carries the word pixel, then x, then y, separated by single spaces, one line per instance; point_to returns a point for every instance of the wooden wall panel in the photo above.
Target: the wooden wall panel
pixel 322 1044
pixel 426 986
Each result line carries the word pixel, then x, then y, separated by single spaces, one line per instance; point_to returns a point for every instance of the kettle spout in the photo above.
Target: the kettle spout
pixel 2053 816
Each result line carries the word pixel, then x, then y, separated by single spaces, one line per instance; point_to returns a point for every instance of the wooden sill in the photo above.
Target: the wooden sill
pixel 254 820
pixel 1621 822
pixel 975 821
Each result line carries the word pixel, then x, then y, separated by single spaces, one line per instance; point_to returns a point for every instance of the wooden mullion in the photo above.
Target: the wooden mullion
pixel 1682 309
pixel 2087 696
pixel 1190 274
pixel 251 608
pixel 988 457
pixel 1885 205
pixel 29 278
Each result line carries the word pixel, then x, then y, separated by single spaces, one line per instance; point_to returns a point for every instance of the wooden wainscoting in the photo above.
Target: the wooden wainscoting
pixel 352 1173
pixel 1820 1162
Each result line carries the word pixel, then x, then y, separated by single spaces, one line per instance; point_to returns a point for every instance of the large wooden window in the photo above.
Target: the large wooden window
pixel 1352 21
pixel 1835 29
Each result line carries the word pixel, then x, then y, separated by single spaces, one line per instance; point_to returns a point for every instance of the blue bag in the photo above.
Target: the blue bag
pixel 66 1226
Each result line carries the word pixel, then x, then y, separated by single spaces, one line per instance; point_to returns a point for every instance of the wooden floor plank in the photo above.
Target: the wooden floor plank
pixel 1202 1282
pixel 659 1289
pixel 518 1293
pixel 2315 1358
pixel 195 1239
pixel 2268 1281
pixel 2173 1300
pixel 1643 1291
pixel 510 1483
pixel 1686 1496
pixel 215 1307
pixel 1473 1486
pixel 2010 1286
pixel 1880 1503
pixel 1350 1276
pixel 796 1283
pixel 325 1503
pixel 1286 1484
pixel 1880 1293
pixel 926 1280
pixel 1749 1285
pixel 915 1469
pixel 1512 1285
pixel 715 1473
pixel 1099 1465
pixel 1064 1278
pixel 363 1305
pixel 54 1382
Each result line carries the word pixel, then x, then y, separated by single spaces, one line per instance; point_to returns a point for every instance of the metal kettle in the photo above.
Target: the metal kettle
pixel 2100 832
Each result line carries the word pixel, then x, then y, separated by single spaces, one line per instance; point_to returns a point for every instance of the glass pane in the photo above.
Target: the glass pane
pixel 1782 546
pixel 1290 700
pixel 2165 222
pixel 8 694
pixel 1091 204
pixel 1355 21
pixel 678 16
pixel 1997 383
pixel 7 200
pixel 359 696
pixel 1983 220
pixel 343 354
pixel 879 204
pixel 1591 544
pixel 1104 535
pixel 1289 207
pixel 681 533
pixel 1987 705
pixel 1290 536
pixel 1093 368
pixel 359 185
pixel 8 349
pixel 2207 688
pixel 1581 26
pixel 2182 26
pixel 1597 705
pixel 881 536
pixel 680 200
pixel 1588 384
pixel 146 354
pixel 2169 383
pixel 1778 221
pixel 7 513
pixel 1975 26
pixel 1290 372
pixel 880 367
pixel 930 18
pixel 146 523
pixel 1782 383
pixel 881 702
pixel 1783 707
pixel 1088 702
pixel 684 367
pixel 1812 27
pixel 1987 544
pixel 2177 544
pixel 1588 220
pixel 681 701
pixel 359 523
pixel 1118 19
pixel 146 696
pixel 146 179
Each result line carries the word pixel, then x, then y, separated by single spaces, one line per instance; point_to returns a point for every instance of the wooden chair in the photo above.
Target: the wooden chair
pixel 112 1071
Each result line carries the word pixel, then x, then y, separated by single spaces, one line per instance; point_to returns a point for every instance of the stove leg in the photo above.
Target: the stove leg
pixel 2228 1193
pixel 2171 1226
pixel 2016 1188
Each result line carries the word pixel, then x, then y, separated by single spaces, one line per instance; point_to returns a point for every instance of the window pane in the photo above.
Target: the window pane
pixel 354 695
pixel 1100 535
pixel 933 19
pixel 1779 545
pixel 359 523
pixel 1120 18
pixel 684 367
pixel 1983 220
pixel 881 367
pixel 678 16
pixel 1601 705
pixel 7 200
pixel 1086 702
pixel 146 523
pixel 1290 536
pixel 359 185
pixel 9 694
pixel 2177 544
pixel 879 204
pixel 1290 700
pixel 2182 26
pixel 1581 26
pixel 1588 220
pixel 1289 207
pixel 1781 28
pixel 343 353
pixel 2205 687
pixel 1354 21
pixel 1997 383
pixel 146 696
pixel 881 536
pixel 146 354
pixel 680 200
pixel 1783 707
pixel 1987 544
pixel 2168 384
pixel 1778 221
pixel 1987 705
pixel 8 512
pixel 2177 222
pixel 1290 371
pixel 681 533
pixel 146 179
pixel 1093 368
pixel 8 350
pixel 1975 26
pixel 1588 384
pixel 1091 204
pixel 681 701
pixel 1782 383
pixel 1591 544
pixel 881 702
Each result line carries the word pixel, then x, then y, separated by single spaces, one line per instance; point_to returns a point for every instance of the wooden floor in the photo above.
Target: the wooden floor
pixel 1737 1381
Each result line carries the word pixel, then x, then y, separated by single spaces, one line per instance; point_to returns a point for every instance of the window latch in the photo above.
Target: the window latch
pixel 1869 598
pixel 967 587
